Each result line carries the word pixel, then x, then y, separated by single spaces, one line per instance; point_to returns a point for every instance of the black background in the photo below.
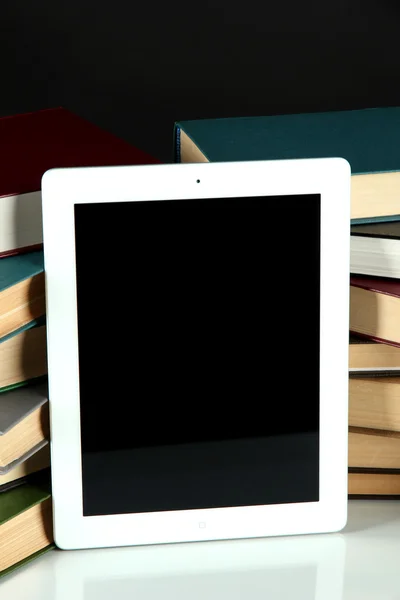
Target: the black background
pixel 134 68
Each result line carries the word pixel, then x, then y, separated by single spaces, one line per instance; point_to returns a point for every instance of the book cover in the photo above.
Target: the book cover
pixel 389 230
pixel 379 285
pixel 14 502
pixel 374 308
pixel 32 143
pixel 367 138
pixel 15 269
pixel 22 290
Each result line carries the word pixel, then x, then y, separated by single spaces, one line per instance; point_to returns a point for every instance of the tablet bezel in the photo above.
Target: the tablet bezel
pixel 61 190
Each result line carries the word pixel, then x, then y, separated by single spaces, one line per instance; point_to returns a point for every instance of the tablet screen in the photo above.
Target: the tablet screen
pixel 199 338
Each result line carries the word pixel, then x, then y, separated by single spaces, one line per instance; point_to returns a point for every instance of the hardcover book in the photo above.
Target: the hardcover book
pixel 369 356
pixel 26 560
pixel 32 143
pixel 25 523
pixel 367 138
pixel 375 249
pixel 372 483
pixel 24 423
pixel 374 402
pixel 373 449
pixel 23 357
pixel 22 291
pixel 375 308
pixel 23 471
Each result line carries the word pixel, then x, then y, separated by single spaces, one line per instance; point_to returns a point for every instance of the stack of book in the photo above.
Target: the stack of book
pixel 374 392
pixel 25 504
pixel 30 144
pixel 369 140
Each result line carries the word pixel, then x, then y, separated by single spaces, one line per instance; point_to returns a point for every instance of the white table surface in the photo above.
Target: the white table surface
pixel 361 562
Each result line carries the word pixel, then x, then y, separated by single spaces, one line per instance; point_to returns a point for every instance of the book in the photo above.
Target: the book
pixel 375 308
pixel 24 422
pixel 374 402
pixel 25 522
pixel 373 449
pixel 21 472
pixel 22 291
pixel 373 483
pixel 32 143
pixel 369 356
pixel 366 138
pixel 375 249
pixel 26 560
pixel 23 357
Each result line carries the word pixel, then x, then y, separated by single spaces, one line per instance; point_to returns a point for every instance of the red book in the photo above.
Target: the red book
pixel 375 308
pixel 32 143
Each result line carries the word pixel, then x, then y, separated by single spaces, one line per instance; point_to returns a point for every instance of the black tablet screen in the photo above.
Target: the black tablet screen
pixel 198 324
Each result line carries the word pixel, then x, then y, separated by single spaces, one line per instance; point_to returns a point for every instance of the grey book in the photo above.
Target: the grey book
pixel 24 423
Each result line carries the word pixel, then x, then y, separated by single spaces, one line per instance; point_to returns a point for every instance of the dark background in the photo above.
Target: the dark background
pixel 134 68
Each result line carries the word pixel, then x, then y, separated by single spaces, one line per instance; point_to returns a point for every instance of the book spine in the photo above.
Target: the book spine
pixel 372 220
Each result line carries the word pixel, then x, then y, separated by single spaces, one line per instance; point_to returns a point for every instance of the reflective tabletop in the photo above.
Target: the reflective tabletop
pixel 362 561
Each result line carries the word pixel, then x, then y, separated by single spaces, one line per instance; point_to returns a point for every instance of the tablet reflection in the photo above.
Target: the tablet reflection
pixel 258 584
pixel 301 567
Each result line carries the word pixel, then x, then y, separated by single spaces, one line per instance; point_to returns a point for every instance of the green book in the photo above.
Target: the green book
pixel 367 138
pixel 16 501
pixel 25 522
pixel 29 559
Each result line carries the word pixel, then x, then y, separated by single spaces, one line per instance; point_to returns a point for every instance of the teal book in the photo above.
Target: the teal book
pixel 22 291
pixel 29 325
pixel 23 356
pixel 367 138
pixel 17 268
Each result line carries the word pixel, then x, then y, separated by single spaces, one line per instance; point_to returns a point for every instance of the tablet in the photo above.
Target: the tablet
pixel 197 329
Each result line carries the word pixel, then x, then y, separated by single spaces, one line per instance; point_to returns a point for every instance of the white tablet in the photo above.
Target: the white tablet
pixel 198 332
